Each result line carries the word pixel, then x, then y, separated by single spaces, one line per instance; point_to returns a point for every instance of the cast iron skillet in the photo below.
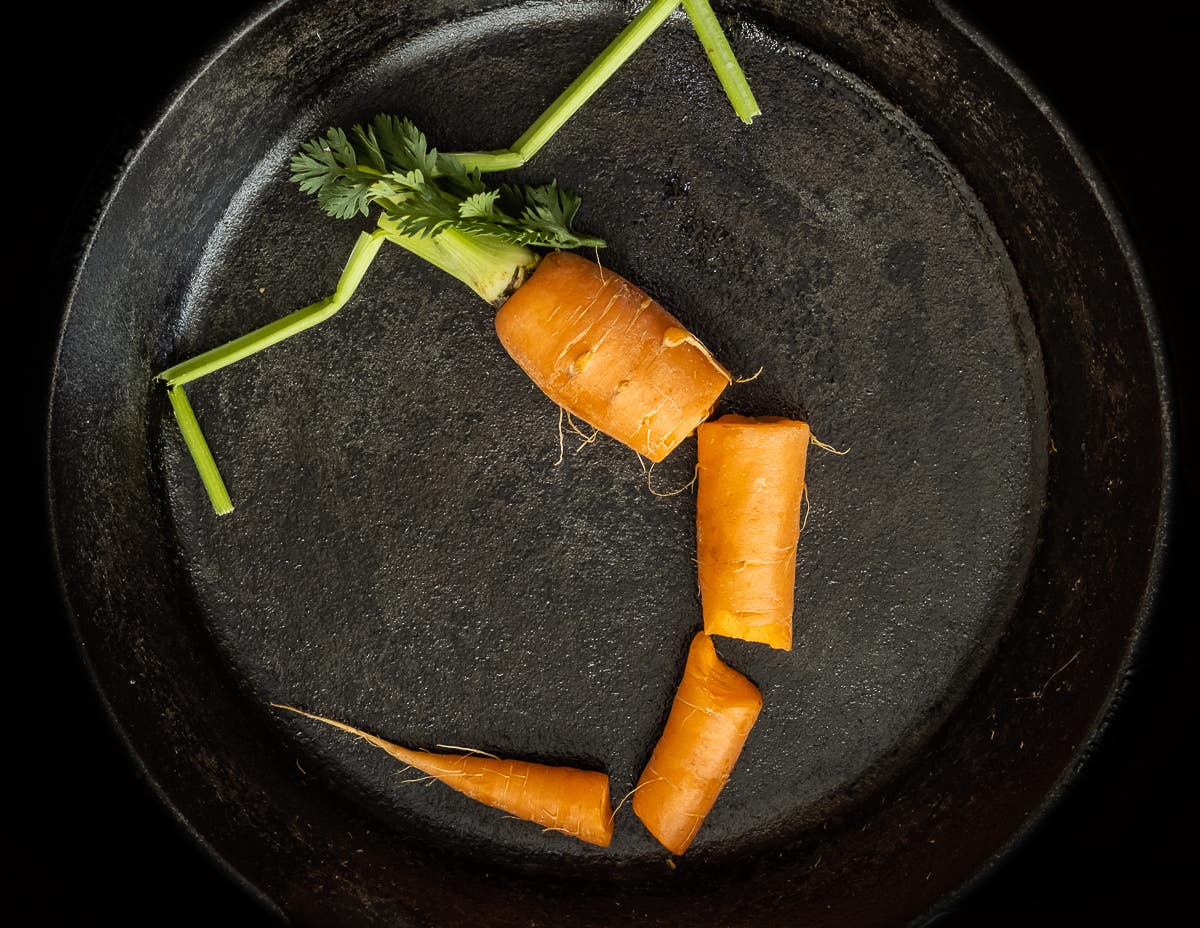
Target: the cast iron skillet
pixel 909 246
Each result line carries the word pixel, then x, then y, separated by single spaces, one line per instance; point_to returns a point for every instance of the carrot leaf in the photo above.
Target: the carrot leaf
pixel 423 192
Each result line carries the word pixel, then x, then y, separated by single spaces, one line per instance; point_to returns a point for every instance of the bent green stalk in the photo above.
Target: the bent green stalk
pixel 488 268
pixel 491 269
pixel 628 40
pixel 210 476
pixel 360 259
pixel 716 46
pixel 568 102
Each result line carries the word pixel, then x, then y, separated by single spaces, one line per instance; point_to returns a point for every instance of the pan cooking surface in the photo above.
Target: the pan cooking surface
pixel 407 554
pixel 909 246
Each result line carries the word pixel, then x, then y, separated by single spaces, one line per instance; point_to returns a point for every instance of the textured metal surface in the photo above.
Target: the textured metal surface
pixel 406 555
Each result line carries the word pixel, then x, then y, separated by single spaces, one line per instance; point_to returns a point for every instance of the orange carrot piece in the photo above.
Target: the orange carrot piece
pixel 610 355
pixel 714 710
pixel 749 493
pixel 575 802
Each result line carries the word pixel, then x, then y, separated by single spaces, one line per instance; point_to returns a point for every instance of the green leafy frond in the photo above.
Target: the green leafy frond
pixel 329 167
pixel 423 192
pixel 479 205
pixel 546 209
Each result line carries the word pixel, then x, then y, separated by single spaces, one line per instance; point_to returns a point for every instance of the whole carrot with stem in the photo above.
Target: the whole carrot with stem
pixel 563 799
pixel 714 709
pixel 750 489
pixel 436 206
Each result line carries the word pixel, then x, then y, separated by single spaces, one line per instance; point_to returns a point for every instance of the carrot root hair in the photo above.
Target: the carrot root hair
pixel 752 377
pixel 627 796
pixel 458 747
pixel 426 779
pixel 648 473
pixel 585 438
pixel 687 486
pixel 562 447
pixel 824 447
pixel 566 422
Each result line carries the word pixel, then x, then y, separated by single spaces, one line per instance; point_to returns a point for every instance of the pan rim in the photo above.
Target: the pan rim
pixel 169 102
pixel 1164 518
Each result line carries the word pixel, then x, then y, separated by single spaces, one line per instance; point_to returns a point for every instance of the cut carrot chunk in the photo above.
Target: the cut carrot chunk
pixel 748 499
pixel 714 710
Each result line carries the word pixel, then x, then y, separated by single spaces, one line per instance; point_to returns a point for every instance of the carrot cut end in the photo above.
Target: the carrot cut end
pixel 715 708
pixel 777 635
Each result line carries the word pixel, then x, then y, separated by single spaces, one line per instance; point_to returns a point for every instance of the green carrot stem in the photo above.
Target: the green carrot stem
pixel 594 76
pixel 193 437
pixel 708 30
pixel 716 46
pixel 491 267
pixel 580 90
pixel 487 161
pixel 364 252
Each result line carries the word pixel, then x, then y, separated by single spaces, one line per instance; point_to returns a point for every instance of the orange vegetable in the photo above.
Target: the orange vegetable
pixel 607 353
pixel 750 486
pixel 714 710
pixel 575 802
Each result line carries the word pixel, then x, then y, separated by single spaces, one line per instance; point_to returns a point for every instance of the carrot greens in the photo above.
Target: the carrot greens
pixel 424 192
pixel 438 206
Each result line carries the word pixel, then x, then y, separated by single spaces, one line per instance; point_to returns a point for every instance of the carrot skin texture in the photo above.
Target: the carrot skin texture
pixel 610 355
pixel 714 709
pixel 575 802
pixel 750 487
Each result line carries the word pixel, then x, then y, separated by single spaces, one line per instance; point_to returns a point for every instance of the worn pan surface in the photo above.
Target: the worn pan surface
pixel 906 243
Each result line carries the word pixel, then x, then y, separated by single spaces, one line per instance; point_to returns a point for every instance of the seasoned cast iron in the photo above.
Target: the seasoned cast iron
pixel 905 242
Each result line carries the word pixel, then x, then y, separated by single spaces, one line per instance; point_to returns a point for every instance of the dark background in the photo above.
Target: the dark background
pixel 93 844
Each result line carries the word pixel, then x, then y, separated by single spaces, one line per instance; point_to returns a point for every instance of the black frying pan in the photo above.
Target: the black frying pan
pixel 902 311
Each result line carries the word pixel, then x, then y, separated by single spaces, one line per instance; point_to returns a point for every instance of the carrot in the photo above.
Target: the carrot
pixel 714 710
pixel 750 488
pixel 607 353
pixel 574 802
